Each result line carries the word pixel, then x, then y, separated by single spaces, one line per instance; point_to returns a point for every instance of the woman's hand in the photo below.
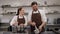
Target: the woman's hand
pixel 15 24
pixel 21 25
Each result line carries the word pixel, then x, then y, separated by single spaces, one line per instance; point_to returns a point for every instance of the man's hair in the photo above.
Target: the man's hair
pixel 33 3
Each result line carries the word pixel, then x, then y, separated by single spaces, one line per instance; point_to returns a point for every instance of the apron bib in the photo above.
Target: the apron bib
pixel 36 17
pixel 21 20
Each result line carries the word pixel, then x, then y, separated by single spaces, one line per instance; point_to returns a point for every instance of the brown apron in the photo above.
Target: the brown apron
pixel 21 20
pixel 36 17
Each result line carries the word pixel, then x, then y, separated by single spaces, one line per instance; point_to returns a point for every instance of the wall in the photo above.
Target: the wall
pixel 27 2
pixel 7 18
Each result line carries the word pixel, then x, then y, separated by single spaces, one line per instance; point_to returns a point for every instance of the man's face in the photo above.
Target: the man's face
pixel 35 7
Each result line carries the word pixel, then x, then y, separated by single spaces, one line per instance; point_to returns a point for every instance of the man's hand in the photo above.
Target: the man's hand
pixel 40 28
pixel 33 24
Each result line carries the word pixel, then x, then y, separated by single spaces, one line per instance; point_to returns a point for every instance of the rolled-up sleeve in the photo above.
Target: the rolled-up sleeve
pixel 43 16
pixel 14 20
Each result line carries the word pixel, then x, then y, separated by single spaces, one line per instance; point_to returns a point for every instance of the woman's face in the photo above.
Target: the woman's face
pixel 22 11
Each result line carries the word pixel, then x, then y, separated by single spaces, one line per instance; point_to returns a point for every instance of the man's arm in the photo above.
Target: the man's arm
pixel 25 21
pixel 44 19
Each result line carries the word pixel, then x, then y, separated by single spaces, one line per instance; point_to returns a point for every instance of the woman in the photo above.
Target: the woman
pixel 20 19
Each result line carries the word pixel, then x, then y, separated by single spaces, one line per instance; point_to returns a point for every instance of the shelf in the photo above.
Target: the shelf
pixel 52 13
pixel 53 25
pixel 4 6
pixel 26 13
pixel 11 14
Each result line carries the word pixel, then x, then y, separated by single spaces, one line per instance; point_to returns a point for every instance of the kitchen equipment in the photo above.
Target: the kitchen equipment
pixel 36 30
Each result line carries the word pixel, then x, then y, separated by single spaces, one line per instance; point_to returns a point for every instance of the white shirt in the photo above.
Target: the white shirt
pixel 42 12
pixel 15 22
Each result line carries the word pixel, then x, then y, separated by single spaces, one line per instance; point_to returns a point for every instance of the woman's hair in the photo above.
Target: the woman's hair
pixel 19 9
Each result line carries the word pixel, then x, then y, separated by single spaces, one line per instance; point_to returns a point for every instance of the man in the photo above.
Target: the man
pixel 36 18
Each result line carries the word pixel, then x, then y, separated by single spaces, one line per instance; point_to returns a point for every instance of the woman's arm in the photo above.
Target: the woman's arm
pixel 14 21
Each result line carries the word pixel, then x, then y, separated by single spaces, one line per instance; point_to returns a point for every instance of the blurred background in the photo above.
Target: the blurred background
pixel 8 9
